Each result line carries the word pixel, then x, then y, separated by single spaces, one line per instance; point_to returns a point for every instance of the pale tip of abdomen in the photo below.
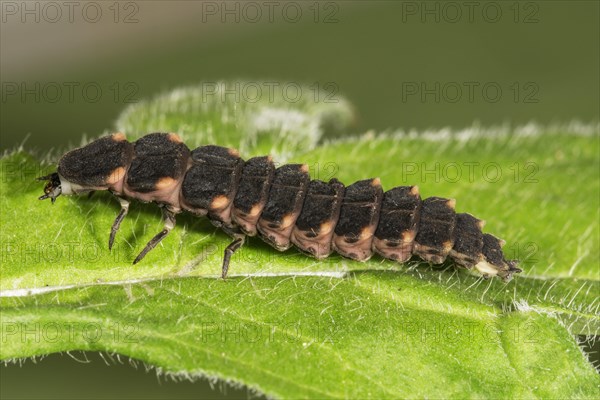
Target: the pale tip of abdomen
pixel 486 269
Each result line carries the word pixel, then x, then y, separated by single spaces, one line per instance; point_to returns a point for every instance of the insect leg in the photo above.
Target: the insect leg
pixel 238 241
pixel 229 250
pixel 169 218
pixel 118 220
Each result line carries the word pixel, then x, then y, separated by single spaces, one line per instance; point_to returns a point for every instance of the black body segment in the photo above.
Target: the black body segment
pixel 99 165
pixel 159 164
pixel 435 237
pixel 398 223
pixel 252 193
pixel 284 204
pixel 314 227
pixel 158 157
pixel 211 182
pixel 468 240
pixel 492 249
pixel 359 216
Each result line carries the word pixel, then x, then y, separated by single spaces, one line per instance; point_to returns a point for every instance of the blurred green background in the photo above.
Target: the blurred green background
pixel 68 72
pixel 387 57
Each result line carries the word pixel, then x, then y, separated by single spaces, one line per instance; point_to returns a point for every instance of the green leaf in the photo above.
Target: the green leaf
pixel 291 326
pixel 371 335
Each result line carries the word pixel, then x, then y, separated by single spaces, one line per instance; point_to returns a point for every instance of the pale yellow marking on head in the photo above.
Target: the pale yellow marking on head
pixel 451 203
pixel 115 176
pixel 173 137
pixel 414 190
pixel 165 182
pixel 118 137
pixel 219 202
pixel 376 182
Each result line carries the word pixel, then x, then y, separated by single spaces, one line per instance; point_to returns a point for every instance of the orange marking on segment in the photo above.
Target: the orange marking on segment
pixel 287 220
pixel 451 203
pixel 118 137
pixel 164 183
pixel 219 202
pixel 376 182
pixel 115 176
pixel 414 190
pixel 233 152
pixel 326 227
pixel 255 210
pixel 366 232
pixel 408 236
pixel 173 137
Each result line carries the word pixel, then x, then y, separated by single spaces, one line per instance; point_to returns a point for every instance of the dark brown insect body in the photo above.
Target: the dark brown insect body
pixel 282 205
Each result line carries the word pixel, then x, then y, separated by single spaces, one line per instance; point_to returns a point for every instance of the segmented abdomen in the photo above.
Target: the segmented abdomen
pixel 284 207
